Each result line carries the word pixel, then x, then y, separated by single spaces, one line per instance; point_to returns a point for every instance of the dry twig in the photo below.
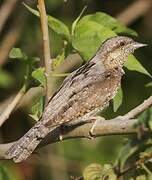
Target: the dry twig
pixel 5 115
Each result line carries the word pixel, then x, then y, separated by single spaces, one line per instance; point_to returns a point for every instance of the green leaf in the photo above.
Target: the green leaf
pixel 37 109
pixel 117 100
pixel 134 65
pixel 6 79
pixel 58 60
pixel 97 172
pixel 141 177
pixel 5 173
pixel 92 172
pixel 88 37
pixel 108 172
pixel 126 152
pixel 149 84
pixel 39 75
pixel 17 53
pixel 109 22
pixel 57 26
pixel 77 19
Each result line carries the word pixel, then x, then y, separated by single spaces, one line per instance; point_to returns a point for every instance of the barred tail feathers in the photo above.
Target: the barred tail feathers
pixel 27 144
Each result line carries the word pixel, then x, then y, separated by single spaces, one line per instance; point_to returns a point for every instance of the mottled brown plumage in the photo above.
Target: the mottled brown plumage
pixel 90 87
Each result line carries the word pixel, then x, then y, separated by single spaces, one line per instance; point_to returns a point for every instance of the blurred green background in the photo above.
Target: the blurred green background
pixel 65 159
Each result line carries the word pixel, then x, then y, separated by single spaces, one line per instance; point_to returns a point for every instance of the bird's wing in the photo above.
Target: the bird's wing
pixel 75 75
pixel 82 96
pixel 74 83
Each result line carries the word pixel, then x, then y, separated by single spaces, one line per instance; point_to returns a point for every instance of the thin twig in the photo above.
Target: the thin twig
pixel 26 101
pixel 145 105
pixel 46 47
pixel 5 115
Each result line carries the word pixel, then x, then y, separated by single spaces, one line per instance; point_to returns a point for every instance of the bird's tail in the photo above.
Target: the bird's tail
pixel 21 149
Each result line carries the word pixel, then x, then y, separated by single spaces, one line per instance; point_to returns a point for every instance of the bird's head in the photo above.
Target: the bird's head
pixel 116 50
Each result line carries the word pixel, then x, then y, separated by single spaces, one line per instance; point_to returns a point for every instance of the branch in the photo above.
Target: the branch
pixel 107 127
pixel 8 41
pixel 134 11
pixel 5 115
pixel 139 109
pixel 26 101
pixel 5 10
pixel 46 48
pixel 119 125
pixel 115 126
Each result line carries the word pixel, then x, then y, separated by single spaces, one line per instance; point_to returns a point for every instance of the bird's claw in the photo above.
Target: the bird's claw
pixel 90 135
pixel 97 120
pixel 61 137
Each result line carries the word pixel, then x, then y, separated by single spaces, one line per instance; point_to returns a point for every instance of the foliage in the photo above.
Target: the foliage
pixel 37 109
pixel 117 101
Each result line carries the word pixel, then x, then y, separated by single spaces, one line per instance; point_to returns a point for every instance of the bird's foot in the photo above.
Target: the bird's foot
pixel 96 120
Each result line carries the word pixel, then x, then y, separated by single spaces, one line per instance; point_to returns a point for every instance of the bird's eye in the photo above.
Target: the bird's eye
pixel 122 43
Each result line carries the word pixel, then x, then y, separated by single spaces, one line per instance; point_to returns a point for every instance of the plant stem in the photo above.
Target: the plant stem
pixel 46 48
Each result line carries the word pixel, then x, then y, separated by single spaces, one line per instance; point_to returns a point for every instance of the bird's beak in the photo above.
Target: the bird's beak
pixel 138 45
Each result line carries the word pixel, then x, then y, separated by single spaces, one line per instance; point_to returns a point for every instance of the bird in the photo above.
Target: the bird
pixel 85 90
